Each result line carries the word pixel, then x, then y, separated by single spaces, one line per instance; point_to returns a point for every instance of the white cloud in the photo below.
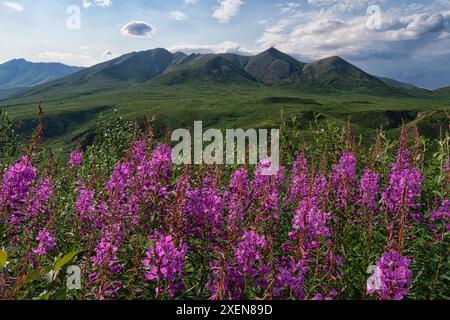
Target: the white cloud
pixel 227 9
pixel 13 6
pixel 190 1
pixel 415 26
pixel 289 7
pixel 177 15
pixel 82 58
pixel 107 54
pixel 224 47
pixel 137 28
pixel 444 36
pixel 322 34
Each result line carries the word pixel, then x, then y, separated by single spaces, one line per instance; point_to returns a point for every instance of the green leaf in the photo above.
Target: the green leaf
pixel 3 258
pixel 44 296
pixel 64 260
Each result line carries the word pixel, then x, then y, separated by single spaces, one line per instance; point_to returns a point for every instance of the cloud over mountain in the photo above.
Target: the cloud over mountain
pixel 177 15
pixel 13 6
pixel 138 29
pixel 227 9
pixel 224 47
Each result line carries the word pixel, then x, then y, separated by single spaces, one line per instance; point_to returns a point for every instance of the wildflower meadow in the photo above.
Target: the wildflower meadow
pixel 342 219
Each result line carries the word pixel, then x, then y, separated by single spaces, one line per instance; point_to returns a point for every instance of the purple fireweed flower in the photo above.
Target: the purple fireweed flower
pixel 250 259
pixel 266 188
pixel 16 184
pixel 105 259
pixel 368 190
pixel 225 281
pixel 310 221
pixel 392 277
pixel 290 278
pixel 330 296
pixel 46 242
pixel 152 176
pixel 119 189
pixel 164 263
pixel 404 186
pixel 120 179
pixel 343 178
pixel 299 182
pixel 140 151
pixel 76 159
pixel 161 162
pixel 237 200
pixel 40 198
pixel 84 204
pixel 204 211
pixel 320 191
pixel 402 192
pixel 402 161
pixel 440 220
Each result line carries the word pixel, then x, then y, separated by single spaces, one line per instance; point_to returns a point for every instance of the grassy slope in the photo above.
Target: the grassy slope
pixel 219 105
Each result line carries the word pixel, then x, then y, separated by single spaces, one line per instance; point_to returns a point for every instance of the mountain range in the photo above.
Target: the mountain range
pixel 271 68
pixel 223 90
pixel 19 74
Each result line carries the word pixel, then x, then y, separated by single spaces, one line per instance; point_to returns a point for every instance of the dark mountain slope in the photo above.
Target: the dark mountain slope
pixel 222 68
pixel 122 72
pixel 18 74
pixel 336 73
pixel 274 67
pixel 443 90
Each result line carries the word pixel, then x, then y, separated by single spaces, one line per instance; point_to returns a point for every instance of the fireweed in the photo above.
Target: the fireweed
pixel 76 159
pixel 151 229
pixel 394 277
pixel 164 264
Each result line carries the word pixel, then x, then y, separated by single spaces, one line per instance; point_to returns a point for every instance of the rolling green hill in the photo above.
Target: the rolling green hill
pixel 222 68
pixel 443 90
pixel 225 91
pixel 119 73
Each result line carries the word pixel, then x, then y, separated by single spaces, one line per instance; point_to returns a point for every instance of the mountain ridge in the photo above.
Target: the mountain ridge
pixel 19 74
pixel 271 68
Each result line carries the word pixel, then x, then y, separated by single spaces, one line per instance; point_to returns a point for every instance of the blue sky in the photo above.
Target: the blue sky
pixel 405 40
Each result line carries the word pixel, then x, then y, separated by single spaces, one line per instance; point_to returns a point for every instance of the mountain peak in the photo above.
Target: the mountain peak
pixel 334 59
pixel 273 50
pixel 273 66
pixel 15 61
pixel 18 74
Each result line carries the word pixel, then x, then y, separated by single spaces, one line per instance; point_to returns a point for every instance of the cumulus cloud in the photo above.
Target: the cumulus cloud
pixel 13 6
pixel 137 28
pixel 444 35
pixel 177 15
pixel 397 46
pixel 224 47
pixel 107 54
pixel 328 35
pixel 227 9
